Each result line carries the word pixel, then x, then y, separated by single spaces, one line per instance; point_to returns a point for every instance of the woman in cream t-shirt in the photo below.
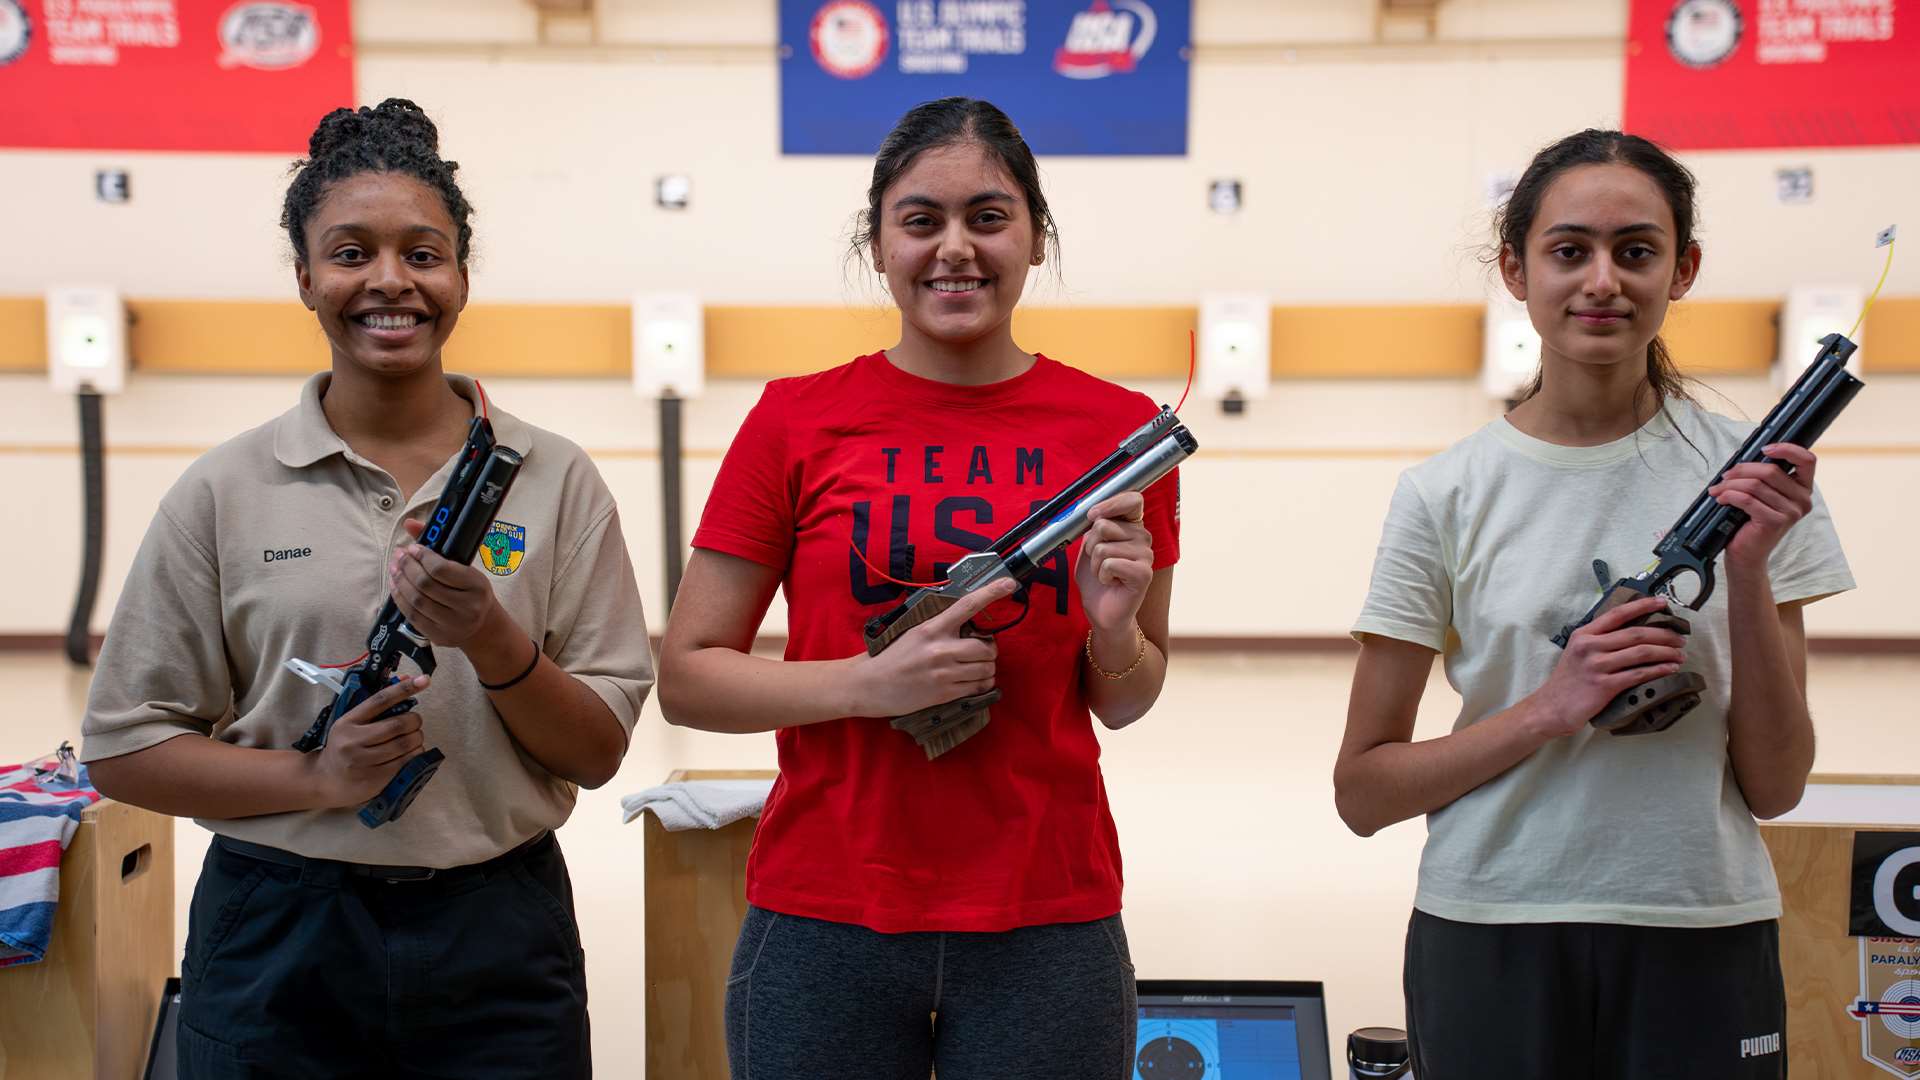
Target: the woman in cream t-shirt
pixel 1590 905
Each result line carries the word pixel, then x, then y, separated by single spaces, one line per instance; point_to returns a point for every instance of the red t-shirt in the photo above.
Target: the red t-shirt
pixel 1011 828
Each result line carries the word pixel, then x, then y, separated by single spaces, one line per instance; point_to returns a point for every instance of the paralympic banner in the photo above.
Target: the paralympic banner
pixel 1077 76
pixel 1726 74
pixel 210 75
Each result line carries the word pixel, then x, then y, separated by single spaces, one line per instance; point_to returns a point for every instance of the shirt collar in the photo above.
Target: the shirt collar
pixel 303 436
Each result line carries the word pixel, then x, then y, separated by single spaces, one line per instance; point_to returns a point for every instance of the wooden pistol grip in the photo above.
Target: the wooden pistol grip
pixel 1651 706
pixel 1665 620
pixel 1615 597
pixel 1659 704
pixel 929 607
pixel 945 726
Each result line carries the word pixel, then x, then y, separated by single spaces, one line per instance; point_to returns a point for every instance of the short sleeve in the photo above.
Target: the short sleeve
pixel 1411 595
pixel 1808 563
pixel 596 630
pixel 1162 518
pixel 163 669
pixel 749 512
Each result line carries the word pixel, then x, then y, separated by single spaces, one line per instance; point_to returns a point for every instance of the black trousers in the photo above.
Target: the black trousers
pixel 1593 1000
pixel 312 968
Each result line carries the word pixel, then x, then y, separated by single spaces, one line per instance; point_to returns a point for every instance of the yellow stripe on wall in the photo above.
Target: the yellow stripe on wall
pixel 595 340
pixel 1125 343
pixel 1890 340
pixel 1722 337
pixel 1416 340
pixel 225 337
pixel 23 334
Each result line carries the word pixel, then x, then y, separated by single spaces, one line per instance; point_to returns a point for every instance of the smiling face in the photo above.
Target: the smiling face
pixel 955 239
pixel 1601 265
pixel 381 273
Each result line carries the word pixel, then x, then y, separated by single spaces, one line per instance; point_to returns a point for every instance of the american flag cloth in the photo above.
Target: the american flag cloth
pixel 38 815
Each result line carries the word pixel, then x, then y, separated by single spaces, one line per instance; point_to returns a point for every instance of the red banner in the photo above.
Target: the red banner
pixel 171 74
pixel 1721 74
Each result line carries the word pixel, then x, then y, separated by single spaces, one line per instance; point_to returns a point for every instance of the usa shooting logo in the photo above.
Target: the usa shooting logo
pixel 1702 33
pixel 505 545
pixel 269 37
pixel 1889 1006
pixel 1109 38
pixel 849 38
pixel 16 31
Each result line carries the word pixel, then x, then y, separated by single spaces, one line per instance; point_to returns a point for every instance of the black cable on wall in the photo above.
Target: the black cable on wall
pixel 93 477
pixel 670 478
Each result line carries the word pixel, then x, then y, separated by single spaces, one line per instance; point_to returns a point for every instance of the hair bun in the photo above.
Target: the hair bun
pixel 336 129
pixel 404 115
pixel 394 116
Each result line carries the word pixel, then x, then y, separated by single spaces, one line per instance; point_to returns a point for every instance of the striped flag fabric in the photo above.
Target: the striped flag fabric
pixel 38 816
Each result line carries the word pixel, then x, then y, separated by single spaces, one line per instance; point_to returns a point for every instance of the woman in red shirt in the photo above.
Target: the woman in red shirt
pixel 959 912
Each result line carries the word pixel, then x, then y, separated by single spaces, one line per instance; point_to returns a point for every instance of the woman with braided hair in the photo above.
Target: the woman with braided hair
pixel 442 943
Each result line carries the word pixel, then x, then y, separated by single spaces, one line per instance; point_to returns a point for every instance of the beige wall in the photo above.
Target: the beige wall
pixel 1365 170
pixel 1365 173
pixel 1287 498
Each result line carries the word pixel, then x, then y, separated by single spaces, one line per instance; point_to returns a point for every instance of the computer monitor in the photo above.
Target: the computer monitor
pixel 1231 1030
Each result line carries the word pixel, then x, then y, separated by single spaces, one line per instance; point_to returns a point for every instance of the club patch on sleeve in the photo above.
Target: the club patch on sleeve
pixel 505 545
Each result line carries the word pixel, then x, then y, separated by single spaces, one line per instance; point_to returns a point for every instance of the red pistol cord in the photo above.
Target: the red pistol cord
pixel 889 577
pixel 348 664
pixel 1193 361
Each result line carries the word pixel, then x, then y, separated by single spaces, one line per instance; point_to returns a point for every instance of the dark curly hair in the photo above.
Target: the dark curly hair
pixel 947 122
pixel 393 137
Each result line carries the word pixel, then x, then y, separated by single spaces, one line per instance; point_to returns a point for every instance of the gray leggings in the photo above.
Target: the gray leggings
pixel 808 999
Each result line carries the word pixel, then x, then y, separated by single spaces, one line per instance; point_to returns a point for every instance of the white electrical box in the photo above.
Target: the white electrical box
pixel 669 345
pixel 1509 347
pixel 1236 333
pixel 86 340
pixel 1811 313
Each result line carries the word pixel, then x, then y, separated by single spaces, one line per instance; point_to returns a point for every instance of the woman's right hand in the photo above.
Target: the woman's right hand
pixel 363 753
pixel 931 664
pixel 1603 659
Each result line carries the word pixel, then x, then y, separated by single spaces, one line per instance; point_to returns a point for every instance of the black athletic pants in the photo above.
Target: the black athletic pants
pixel 308 968
pixel 1573 1001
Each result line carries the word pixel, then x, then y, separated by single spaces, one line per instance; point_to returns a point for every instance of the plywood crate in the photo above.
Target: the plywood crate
pixel 1812 851
pixel 696 898
pixel 87 1011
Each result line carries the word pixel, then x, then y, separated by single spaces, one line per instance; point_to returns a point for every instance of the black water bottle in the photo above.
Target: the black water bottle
pixel 1378 1053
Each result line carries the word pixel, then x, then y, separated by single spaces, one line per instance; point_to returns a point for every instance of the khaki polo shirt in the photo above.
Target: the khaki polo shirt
pixel 275 545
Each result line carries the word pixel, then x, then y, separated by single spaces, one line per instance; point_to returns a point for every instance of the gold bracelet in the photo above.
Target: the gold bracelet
pixel 1104 673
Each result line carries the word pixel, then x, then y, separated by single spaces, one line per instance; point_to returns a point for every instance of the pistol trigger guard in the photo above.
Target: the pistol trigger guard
pixel 1705 571
pixel 1021 594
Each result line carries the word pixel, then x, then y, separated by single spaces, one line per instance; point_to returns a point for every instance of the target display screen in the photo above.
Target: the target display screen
pixel 1208 1031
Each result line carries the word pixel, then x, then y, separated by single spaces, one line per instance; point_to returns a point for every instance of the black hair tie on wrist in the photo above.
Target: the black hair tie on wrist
pixel 515 681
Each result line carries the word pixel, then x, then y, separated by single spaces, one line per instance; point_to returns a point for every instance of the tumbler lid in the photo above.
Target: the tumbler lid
pixel 1378 1045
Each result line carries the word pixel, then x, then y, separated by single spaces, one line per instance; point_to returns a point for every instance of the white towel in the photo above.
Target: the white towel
pixel 699 804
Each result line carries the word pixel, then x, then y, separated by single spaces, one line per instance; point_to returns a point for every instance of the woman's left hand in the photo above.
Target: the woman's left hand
pixel 447 602
pixel 1772 498
pixel 1116 563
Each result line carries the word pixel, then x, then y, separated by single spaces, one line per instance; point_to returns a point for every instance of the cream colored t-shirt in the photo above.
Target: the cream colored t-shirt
pixel 1487 552
pixel 275 545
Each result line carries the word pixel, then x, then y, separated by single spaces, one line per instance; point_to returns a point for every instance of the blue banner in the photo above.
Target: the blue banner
pixel 1076 76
